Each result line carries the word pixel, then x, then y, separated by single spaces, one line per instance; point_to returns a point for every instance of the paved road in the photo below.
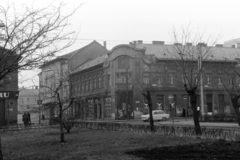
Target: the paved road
pixel 181 121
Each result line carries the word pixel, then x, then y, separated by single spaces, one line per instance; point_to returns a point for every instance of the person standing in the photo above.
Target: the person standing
pixel 25 119
pixel 29 118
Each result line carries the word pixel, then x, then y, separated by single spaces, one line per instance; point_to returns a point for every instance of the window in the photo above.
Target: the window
pixel 230 81
pixel 161 112
pixel 146 80
pixel 171 80
pixel 209 80
pixel 82 84
pixel 109 80
pixel 94 83
pixel 86 84
pixel 219 80
pixel 159 80
pixel 90 85
pixel 123 62
pixel 99 82
pixel 79 86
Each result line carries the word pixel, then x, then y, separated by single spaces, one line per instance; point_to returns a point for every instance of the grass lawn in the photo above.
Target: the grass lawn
pixel 82 144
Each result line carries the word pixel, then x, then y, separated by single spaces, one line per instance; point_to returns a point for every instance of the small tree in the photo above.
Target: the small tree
pixel 58 95
pixel 187 56
pixel 30 37
pixel 145 88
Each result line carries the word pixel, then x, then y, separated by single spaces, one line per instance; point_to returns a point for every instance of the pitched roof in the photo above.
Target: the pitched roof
pixel 91 63
pixel 58 58
pixel 83 48
pixel 28 92
pixel 215 53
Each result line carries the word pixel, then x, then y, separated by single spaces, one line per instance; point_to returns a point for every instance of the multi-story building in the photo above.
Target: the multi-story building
pixel 52 73
pixel 109 85
pixel 8 95
pixel 57 70
pixel 27 102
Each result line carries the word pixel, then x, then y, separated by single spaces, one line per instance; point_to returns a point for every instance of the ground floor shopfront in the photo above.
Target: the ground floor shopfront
pixel 115 106
pixel 8 107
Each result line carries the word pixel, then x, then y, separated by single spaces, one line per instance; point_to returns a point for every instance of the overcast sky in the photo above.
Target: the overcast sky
pixel 122 21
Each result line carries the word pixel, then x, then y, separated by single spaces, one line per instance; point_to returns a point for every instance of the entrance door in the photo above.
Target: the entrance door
pixel 122 107
pixel 209 103
pixel 221 103
pixel 2 112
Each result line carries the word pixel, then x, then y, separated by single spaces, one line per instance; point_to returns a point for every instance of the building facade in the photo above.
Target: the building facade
pixel 8 96
pixel 57 71
pixel 52 73
pixel 112 85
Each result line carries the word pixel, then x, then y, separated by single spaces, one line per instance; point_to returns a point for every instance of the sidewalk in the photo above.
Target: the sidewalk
pixel 189 122
pixel 181 121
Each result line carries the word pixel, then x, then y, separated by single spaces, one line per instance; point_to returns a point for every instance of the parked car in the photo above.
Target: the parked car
pixel 158 115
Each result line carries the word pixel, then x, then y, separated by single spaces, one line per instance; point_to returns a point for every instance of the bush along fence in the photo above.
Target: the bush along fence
pixel 220 118
pixel 229 134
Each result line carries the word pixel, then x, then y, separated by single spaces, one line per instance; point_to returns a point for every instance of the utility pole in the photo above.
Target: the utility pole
pixel 201 85
pixel 128 117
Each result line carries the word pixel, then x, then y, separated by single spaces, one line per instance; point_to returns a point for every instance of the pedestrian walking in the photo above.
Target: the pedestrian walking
pixel 25 119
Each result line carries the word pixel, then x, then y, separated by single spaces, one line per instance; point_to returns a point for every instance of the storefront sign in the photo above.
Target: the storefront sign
pixel 4 94
pixel 8 94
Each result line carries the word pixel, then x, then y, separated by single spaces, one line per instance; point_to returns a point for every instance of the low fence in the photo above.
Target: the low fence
pixel 229 134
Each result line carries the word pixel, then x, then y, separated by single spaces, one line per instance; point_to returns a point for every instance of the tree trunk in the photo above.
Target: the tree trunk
pixel 236 106
pixel 151 116
pixel 61 126
pixel 236 109
pixel 1 155
pixel 196 119
pixel 61 132
pixel 193 100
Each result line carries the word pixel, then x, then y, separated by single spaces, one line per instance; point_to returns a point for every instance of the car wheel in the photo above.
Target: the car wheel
pixel 164 119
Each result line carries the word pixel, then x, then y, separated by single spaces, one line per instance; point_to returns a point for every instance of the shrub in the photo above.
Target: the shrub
pixel 220 117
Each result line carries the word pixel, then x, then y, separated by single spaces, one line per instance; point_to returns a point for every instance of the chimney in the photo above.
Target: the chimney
pixel 158 42
pixel 188 44
pixel 219 45
pixel 105 44
pixel 134 43
pixel 140 41
pixel 202 44
pixel 178 44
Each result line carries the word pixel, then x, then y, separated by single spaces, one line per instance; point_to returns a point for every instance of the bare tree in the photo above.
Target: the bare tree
pixel 187 55
pixel 145 88
pixel 56 93
pixel 228 73
pixel 30 37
